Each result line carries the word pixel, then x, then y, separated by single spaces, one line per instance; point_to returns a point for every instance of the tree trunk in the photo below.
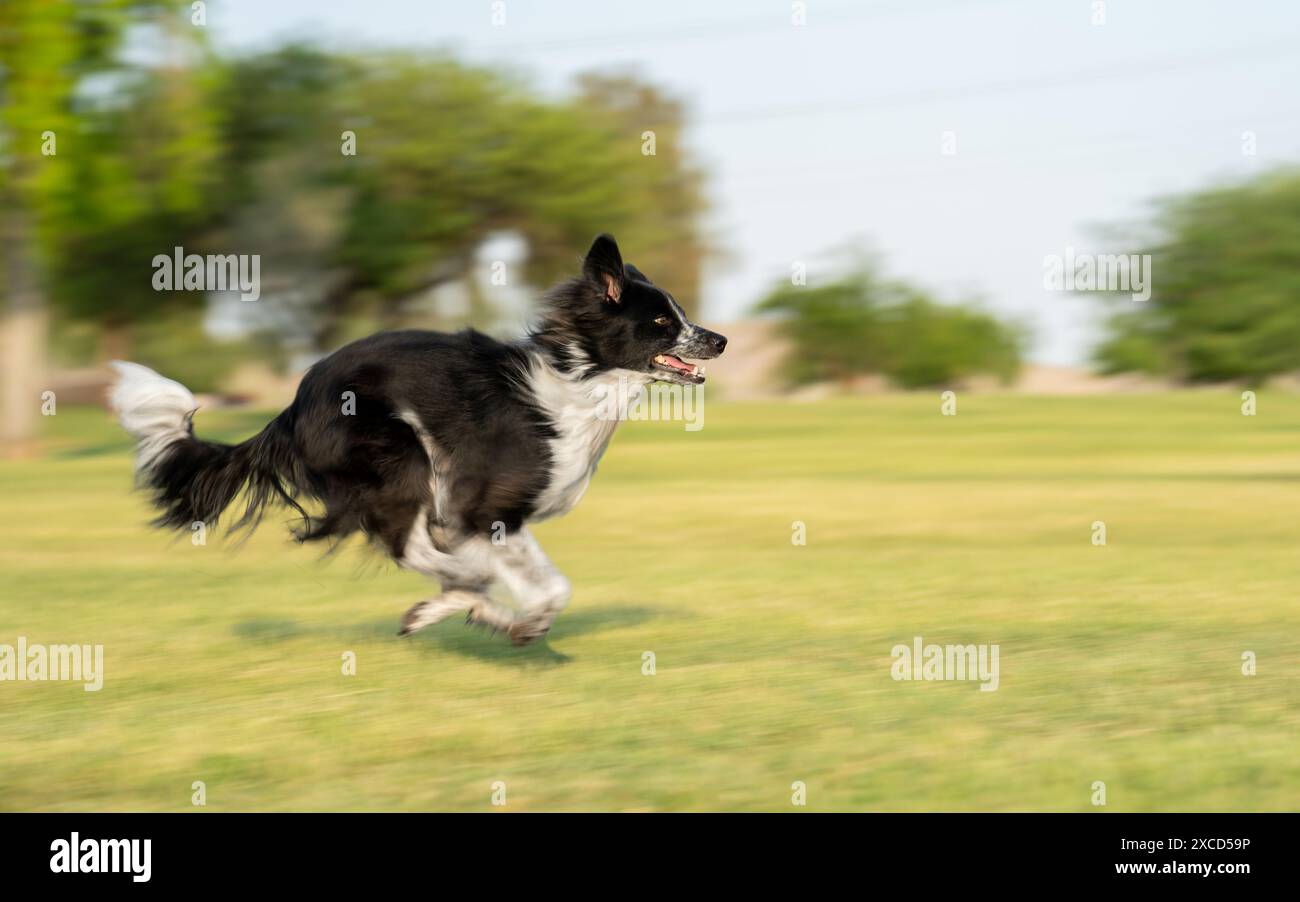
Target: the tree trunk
pixel 23 335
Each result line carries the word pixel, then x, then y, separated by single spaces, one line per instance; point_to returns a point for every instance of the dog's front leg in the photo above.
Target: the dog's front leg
pixel 537 585
pixel 466 573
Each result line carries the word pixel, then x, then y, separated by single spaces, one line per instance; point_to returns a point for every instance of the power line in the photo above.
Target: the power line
pixel 935 164
pixel 1253 53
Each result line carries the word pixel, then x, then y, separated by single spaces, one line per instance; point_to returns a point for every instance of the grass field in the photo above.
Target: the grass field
pixel 1119 663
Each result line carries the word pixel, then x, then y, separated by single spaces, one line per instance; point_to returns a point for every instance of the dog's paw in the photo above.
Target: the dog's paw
pixel 410 621
pixel 528 630
pixel 422 614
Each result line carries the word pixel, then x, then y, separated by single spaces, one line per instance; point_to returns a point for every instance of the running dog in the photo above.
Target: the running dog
pixel 441 449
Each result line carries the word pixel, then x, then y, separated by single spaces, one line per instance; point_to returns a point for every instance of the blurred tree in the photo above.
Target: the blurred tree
pixel 446 155
pixel 1225 277
pixel 663 192
pixel 143 181
pixel 835 329
pixel 285 182
pixel 79 201
pixel 862 324
pixel 930 344
pixel 363 182
pixel 39 62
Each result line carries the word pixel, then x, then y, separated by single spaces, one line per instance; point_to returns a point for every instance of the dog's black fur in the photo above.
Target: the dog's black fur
pixel 495 443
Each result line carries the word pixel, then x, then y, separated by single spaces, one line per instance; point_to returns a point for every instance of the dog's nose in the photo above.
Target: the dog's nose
pixel 718 342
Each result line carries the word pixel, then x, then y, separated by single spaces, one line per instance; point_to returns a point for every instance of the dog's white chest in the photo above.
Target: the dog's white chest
pixel 574 456
pixel 585 413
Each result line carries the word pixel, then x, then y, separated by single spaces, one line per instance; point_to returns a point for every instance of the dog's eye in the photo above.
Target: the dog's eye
pixel 662 320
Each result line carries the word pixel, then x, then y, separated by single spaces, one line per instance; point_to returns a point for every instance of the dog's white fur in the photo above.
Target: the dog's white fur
pixel 154 409
pixel 157 411
pixel 574 404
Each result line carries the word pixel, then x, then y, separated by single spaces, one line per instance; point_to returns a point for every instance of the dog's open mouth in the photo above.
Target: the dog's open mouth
pixel 688 372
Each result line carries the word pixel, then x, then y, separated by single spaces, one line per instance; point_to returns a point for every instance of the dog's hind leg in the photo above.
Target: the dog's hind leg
pixel 541 590
pixel 479 609
pixel 465 573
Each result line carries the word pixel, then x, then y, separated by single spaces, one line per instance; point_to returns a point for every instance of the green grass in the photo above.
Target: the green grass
pixel 1119 663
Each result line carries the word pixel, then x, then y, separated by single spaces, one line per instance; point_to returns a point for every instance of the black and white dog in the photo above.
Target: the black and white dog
pixel 440 448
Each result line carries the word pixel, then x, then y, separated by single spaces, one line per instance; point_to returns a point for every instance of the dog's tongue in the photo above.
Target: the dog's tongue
pixel 675 363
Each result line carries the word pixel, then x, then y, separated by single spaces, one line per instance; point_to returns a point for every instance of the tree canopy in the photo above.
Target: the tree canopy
pixel 862 323
pixel 1225 298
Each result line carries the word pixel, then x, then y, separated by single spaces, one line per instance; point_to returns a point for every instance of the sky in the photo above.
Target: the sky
pixel 962 141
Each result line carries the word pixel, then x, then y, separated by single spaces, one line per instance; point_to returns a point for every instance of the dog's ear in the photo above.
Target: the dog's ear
pixel 604 266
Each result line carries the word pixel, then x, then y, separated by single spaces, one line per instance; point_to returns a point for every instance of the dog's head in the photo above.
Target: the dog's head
pixel 619 319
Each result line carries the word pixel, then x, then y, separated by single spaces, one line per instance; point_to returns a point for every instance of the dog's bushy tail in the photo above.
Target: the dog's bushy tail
pixel 194 480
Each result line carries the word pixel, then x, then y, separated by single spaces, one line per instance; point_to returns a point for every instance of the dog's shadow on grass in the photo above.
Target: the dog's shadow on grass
pixel 477 643
pixel 472 642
